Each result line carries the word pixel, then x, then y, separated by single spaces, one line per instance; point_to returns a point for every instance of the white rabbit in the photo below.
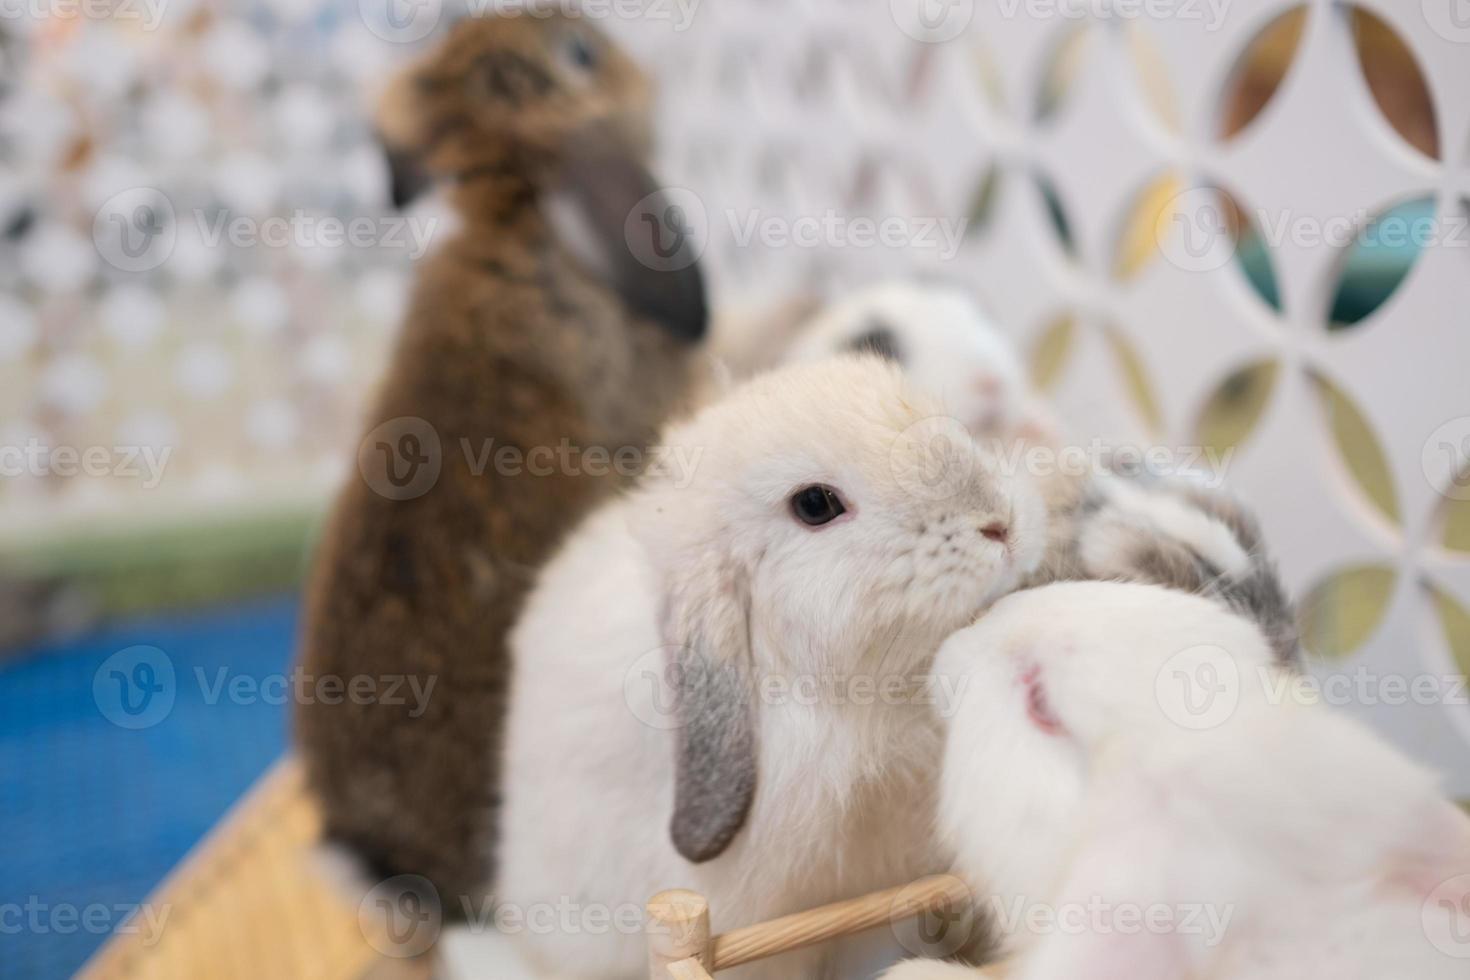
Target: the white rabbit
pixel 1105 525
pixel 1130 760
pixel 719 682
pixel 945 344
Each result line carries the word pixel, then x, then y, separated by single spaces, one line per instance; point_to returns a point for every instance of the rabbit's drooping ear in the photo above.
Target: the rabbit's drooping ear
pixel 626 228
pixel 408 178
pixel 400 126
pixel 705 620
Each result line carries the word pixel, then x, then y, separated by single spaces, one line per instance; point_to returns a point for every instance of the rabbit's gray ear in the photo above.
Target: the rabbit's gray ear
pixel 400 123
pixel 408 178
pixel 715 754
pixel 613 215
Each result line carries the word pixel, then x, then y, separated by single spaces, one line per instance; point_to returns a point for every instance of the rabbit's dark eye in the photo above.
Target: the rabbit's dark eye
pixel 817 505
pixel 580 53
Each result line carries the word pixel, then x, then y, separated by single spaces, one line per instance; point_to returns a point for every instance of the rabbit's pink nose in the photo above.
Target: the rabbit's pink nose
pixel 996 531
pixel 988 386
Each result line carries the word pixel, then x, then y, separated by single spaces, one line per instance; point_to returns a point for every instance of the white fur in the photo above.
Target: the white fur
pixel 1320 844
pixel 844 800
pixel 948 347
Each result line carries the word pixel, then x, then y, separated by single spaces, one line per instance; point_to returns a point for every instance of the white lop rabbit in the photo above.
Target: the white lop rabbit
pixel 720 681
pixel 1167 530
pixel 1129 760
pixel 945 344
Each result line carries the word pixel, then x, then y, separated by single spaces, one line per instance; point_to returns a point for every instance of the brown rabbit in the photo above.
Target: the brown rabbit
pixel 521 338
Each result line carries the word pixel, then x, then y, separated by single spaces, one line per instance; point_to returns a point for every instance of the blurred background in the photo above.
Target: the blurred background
pixel 1240 226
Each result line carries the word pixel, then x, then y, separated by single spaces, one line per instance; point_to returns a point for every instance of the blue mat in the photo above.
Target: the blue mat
pixel 118 751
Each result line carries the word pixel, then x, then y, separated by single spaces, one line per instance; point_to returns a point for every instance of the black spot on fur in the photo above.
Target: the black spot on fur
pixel 878 339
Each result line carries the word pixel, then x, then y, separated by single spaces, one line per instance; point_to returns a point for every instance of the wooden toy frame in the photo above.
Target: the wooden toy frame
pixel 681 946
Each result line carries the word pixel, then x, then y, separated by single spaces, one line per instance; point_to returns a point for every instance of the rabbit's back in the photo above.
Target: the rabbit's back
pixel 519 394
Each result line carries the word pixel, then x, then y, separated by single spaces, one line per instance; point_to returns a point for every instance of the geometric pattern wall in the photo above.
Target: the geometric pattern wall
pixel 1142 194
pixel 1188 214
pixel 166 279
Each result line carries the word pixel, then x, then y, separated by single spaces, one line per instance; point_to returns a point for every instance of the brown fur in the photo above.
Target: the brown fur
pixel 508 337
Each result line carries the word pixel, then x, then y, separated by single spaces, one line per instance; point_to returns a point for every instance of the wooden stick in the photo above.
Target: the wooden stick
pixel 839 919
pixel 678 929
pixel 687 970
